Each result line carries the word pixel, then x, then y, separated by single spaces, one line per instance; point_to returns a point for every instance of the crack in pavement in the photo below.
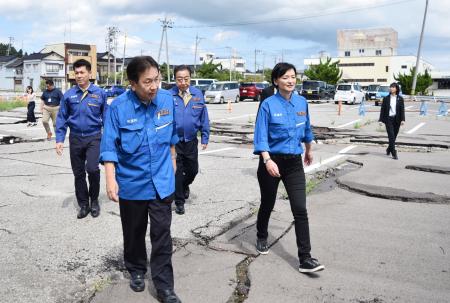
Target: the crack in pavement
pixel 430 169
pixel 33 162
pixel 6 231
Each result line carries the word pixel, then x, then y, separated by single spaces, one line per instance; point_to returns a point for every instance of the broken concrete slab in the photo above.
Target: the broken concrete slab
pixel 430 168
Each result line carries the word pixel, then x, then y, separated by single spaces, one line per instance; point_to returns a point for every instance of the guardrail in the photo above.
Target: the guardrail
pixel 424 100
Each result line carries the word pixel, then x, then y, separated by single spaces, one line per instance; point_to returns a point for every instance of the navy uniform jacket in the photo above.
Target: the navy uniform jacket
pixel 191 118
pixel 137 138
pixel 84 116
pixel 282 126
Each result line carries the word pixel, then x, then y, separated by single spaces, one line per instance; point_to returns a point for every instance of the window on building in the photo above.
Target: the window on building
pixel 381 80
pixel 27 67
pixel 35 67
pixel 358 80
pixel 239 64
pixel 356 64
pixel 378 52
pixel 387 69
pixel 361 50
pixel 53 67
pixel 78 53
pixel 404 67
pixel 347 53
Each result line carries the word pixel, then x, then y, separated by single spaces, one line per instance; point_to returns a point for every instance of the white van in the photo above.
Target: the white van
pixel 349 93
pixel 223 91
pixel 195 82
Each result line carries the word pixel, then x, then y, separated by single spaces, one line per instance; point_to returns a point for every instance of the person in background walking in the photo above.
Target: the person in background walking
pixel 31 104
pixel 50 100
pixel 392 114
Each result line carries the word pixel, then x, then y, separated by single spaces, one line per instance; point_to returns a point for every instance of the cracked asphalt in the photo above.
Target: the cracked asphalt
pixel 379 226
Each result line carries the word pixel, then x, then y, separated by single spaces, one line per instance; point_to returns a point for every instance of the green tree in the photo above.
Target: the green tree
pixel 423 82
pixel 12 51
pixel 208 70
pixel 325 71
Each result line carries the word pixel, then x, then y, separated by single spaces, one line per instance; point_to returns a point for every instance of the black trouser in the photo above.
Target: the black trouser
pixel 84 154
pixel 392 129
pixel 293 177
pixel 187 167
pixel 134 215
pixel 30 113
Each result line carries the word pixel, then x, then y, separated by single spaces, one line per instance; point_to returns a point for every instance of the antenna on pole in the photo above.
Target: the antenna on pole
pixel 166 23
pixel 10 43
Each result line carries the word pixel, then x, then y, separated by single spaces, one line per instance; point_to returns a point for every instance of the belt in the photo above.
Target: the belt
pixel 51 105
pixel 285 156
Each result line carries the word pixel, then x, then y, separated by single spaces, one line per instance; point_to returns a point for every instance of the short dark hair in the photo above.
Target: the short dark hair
pixel 82 62
pixel 180 68
pixel 280 69
pixel 139 65
pixel 397 87
pixel 29 87
pixel 49 82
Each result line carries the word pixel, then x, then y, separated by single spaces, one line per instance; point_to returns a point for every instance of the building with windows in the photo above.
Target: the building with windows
pixel 8 73
pixel 102 68
pixel 236 63
pixel 71 52
pixel 369 56
pixel 39 67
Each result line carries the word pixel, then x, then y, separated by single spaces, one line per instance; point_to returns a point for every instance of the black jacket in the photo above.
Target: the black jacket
pixel 266 93
pixel 399 109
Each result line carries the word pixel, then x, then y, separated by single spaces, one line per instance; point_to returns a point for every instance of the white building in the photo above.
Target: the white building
pixel 236 63
pixel 7 73
pixel 42 66
pixel 370 56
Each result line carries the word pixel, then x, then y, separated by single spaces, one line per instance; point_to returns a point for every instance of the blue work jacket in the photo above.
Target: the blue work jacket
pixel 192 118
pixel 83 115
pixel 137 138
pixel 282 125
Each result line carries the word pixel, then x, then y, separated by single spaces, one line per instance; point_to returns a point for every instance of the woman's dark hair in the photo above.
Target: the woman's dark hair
pixel 280 69
pixel 138 65
pixel 29 87
pixel 82 62
pixel 180 68
pixel 397 87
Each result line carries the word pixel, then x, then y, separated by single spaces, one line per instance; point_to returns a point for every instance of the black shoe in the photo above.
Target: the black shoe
pixel 168 296
pixel 84 211
pixel 310 265
pixel 179 209
pixel 187 191
pixel 95 209
pixel 137 282
pixel 262 247
pixel 388 151
pixel 394 155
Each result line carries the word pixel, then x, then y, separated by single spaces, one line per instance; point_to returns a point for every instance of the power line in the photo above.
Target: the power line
pixel 299 18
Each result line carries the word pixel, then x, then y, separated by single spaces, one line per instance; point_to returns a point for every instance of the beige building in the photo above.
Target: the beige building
pixel 72 52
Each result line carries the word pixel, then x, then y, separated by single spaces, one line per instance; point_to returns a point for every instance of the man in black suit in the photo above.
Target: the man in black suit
pixel 392 114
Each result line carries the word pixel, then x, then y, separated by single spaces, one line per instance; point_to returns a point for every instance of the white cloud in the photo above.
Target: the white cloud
pixel 225 35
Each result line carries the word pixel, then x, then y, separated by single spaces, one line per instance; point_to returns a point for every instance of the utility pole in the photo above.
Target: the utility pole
pixel 166 23
pixel 416 69
pixel 10 43
pixel 263 74
pixel 230 60
pixel 111 42
pixel 197 41
pixel 123 58
pixel 115 60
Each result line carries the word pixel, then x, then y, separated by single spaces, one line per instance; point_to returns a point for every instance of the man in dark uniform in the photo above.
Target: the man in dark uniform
pixel 191 116
pixel 82 110
pixel 138 151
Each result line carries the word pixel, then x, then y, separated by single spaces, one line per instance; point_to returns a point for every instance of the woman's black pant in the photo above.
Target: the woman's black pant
pixel 30 113
pixel 392 129
pixel 293 177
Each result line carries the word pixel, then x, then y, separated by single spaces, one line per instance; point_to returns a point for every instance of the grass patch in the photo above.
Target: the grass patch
pixel 8 105
pixel 357 125
pixel 311 184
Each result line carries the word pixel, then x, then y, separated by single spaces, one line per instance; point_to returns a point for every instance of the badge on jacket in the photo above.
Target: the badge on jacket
pixel 163 112
pixel 301 113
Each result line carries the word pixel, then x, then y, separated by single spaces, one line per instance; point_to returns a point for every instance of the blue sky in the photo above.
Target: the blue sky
pixel 292 29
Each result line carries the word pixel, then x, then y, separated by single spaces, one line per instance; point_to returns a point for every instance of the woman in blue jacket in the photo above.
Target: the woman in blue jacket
pixel 281 126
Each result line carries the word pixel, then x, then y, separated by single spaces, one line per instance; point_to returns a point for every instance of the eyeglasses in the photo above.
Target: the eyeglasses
pixel 181 80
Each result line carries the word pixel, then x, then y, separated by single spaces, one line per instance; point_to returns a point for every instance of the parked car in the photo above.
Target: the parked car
pixel 383 91
pixel 251 90
pixel 315 90
pixel 371 92
pixel 299 88
pixel 349 93
pixel 167 85
pixel 114 90
pixel 331 90
pixel 195 82
pixel 221 92
pixel 202 87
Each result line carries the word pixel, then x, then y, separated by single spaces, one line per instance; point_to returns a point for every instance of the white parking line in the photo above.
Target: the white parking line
pixel 415 128
pixel 25 129
pixel 216 150
pixel 346 124
pixel 340 155
pixel 12 118
pixel 231 118
pixel 408 107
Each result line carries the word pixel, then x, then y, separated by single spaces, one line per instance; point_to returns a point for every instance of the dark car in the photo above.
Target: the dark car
pixel 315 90
pixel 371 93
pixel 202 87
pixel 114 90
pixel 251 90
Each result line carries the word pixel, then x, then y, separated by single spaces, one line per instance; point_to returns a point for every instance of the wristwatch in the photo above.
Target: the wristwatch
pixel 265 160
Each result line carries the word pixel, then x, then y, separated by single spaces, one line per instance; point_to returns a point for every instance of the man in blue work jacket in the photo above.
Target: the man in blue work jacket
pixel 138 152
pixel 191 116
pixel 82 110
